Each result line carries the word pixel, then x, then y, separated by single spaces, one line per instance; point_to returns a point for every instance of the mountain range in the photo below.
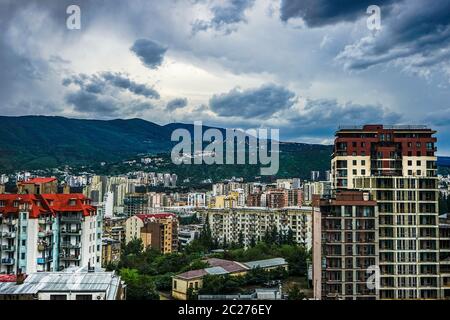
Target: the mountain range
pixel 39 142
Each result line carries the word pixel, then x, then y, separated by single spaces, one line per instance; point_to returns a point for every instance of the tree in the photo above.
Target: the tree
pixel 139 287
pixel 135 247
pixel 294 293
pixel 241 239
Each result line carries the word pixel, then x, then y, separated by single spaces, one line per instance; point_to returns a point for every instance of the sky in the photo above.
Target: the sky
pixel 301 66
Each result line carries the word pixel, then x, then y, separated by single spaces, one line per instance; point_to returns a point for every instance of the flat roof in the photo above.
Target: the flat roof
pixel 267 263
pixel 73 280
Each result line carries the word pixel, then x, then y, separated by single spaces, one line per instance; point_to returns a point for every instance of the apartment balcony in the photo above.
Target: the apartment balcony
pixel 44 260
pixel 43 234
pixel 69 257
pixel 71 232
pixel 7 248
pixel 8 261
pixel 45 221
pixel 9 235
pixel 71 219
pixel 9 222
pixel 69 245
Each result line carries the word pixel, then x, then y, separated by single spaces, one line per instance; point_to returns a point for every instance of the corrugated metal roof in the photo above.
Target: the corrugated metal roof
pixel 275 262
pixel 75 281
pixel 216 270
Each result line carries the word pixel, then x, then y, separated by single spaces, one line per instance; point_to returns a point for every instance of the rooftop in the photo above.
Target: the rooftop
pixel 385 127
pixel 267 263
pixel 229 266
pixel 72 280
pixel 38 180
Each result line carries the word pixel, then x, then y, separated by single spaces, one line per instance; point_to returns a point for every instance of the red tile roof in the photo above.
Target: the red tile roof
pixel 192 274
pixel 38 180
pixel 46 203
pixel 8 277
pixel 230 266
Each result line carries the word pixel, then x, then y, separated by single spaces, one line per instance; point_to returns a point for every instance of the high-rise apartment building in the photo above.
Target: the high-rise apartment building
pixel 345 245
pixel 47 232
pixel 158 231
pixel 397 166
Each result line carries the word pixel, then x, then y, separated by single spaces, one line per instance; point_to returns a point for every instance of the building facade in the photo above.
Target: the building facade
pixel 47 232
pixel 397 166
pixel 345 246
pixel 251 224
pixel 158 231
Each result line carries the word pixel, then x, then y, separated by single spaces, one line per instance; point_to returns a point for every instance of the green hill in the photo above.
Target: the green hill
pixel 39 142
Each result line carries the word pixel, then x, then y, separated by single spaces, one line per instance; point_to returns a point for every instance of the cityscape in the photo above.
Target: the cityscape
pixel 251 152
pixel 382 205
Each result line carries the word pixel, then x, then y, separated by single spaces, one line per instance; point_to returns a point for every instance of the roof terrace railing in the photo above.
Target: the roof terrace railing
pixel 389 127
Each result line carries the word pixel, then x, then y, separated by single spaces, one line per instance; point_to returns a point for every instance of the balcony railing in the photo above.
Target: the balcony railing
pixel 10 235
pixel 7 248
pixel 69 257
pixel 72 219
pixel 44 260
pixel 7 261
pixel 71 231
pixel 69 245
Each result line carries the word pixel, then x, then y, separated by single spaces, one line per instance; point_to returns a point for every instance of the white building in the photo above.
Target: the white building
pixel 47 232
pixel 72 284
pixel 252 223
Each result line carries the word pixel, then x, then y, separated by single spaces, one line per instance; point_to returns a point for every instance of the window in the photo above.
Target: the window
pixel 354 162
pixel 24 216
pixel 2 203
pixel 409 162
pixel 409 172
pixel 409 144
pixel 363 162
pixel 174 284
pixel 419 172
pixel 22 256
pixel 418 145
pixel 58 297
pixel 196 285
pixel 355 172
pixel 24 243
pixel 83 297
pixel 363 144
pixel 419 163
pixel 363 172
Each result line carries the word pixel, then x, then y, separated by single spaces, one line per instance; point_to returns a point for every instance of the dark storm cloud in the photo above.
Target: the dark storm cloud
pixel 415 34
pixel 231 13
pixel 121 81
pixel 149 52
pixel 253 103
pixel 97 83
pixel 318 13
pixel 321 117
pixel 97 105
pixel 90 103
pixel 177 103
